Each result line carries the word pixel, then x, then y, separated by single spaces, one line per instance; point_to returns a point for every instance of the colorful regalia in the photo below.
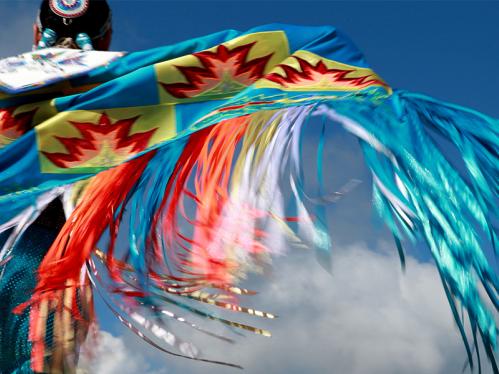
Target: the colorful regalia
pixel 180 168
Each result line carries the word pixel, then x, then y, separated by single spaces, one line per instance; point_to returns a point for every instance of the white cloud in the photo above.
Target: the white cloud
pixel 368 317
pixel 113 356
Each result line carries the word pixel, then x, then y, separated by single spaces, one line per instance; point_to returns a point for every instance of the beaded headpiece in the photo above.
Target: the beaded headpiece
pixel 69 8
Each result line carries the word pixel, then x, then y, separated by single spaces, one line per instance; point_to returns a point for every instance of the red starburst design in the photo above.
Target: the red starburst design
pixel 104 140
pixel 221 65
pixel 13 126
pixel 310 75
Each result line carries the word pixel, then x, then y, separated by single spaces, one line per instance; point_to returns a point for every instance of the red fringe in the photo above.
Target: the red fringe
pixel 210 154
pixel 61 267
pixel 81 233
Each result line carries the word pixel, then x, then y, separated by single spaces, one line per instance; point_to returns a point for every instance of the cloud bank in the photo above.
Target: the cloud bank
pixel 367 317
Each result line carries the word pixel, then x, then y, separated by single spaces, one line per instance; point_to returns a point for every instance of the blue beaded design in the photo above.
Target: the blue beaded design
pixel 69 8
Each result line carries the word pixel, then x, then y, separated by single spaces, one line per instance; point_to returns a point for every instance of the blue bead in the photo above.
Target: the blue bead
pixel 84 42
pixel 48 39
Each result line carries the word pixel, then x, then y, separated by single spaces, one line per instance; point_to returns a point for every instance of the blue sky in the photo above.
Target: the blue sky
pixel 365 317
pixel 447 49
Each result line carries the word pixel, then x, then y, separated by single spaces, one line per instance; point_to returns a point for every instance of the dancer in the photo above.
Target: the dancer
pixel 82 25
pixel 193 153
